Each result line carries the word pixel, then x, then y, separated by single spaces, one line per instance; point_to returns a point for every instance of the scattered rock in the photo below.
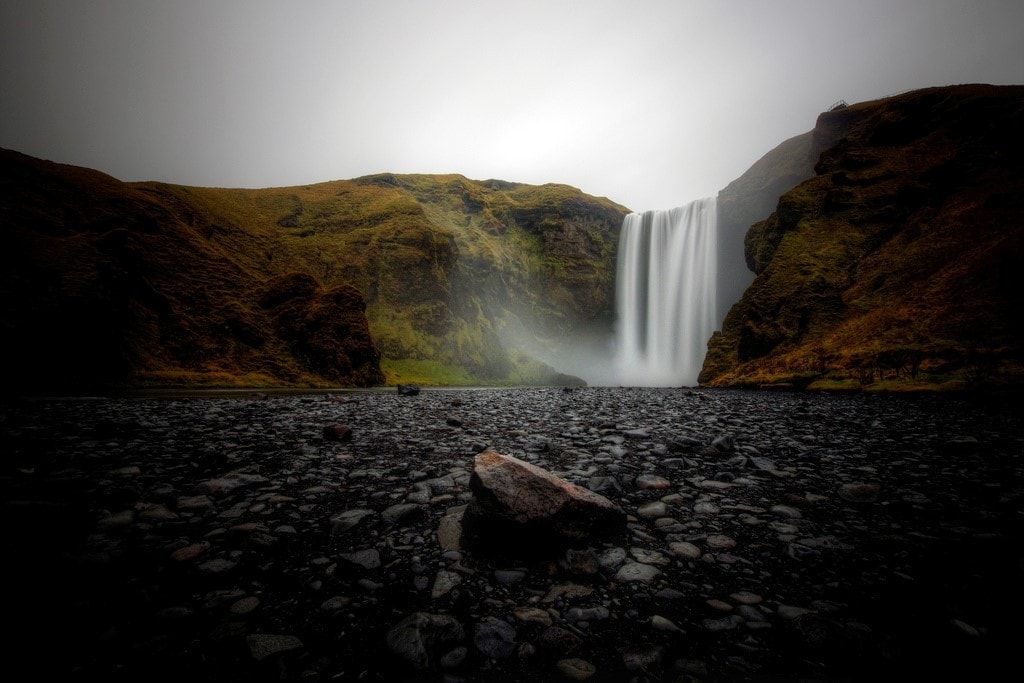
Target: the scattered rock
pixel 449 530
pixel 367 559
pixel 350 519
pixel 636 571
pixel 443 583
pixel 859 493
pixel 660 623
pixel 337 432
pixel 263 645
pixel 494 638
pixel 652 481
pixel 576 669
pixel 420 637
pixel 652 510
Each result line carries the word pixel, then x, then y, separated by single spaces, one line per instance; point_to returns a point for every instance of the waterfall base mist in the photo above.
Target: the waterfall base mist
pixel 665 295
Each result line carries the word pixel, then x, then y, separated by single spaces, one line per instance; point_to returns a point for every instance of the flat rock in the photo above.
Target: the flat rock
pixel 516 502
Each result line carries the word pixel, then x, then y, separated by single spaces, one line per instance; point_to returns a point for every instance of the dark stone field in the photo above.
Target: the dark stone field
pixel 770 537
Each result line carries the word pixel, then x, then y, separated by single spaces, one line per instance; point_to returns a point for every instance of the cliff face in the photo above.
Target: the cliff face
pixel 899 262
pixel 750 198
pixel 402 278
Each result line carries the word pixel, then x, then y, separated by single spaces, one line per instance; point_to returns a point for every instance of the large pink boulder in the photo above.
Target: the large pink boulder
pixel 517 506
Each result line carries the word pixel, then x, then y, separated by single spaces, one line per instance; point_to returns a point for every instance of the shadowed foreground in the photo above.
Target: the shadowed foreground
pixel 771 537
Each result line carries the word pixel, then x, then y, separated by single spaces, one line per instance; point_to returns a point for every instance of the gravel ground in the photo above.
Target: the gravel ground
pixel 771 536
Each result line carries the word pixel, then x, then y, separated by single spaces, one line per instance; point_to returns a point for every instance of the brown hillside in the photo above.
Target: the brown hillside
pixel 106 283
pixel 899 264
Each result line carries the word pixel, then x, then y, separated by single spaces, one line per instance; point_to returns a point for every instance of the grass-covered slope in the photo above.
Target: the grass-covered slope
pixel 899 264
pixel 107 282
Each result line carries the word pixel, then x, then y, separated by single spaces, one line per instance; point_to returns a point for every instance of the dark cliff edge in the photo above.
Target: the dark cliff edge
pixel 383 279
pixel 749 199
pixel 897 265
pixel 107 285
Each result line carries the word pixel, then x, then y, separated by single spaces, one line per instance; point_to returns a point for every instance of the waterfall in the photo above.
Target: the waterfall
pixel 665 294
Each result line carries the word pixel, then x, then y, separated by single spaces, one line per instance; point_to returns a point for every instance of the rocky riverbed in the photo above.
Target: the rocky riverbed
pixel 769 537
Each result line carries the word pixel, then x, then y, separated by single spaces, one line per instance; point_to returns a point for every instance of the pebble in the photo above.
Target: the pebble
pixel 859 493
pixel 367 559
pixel 494 638
pixel 720 542
pixel 660 623
pixel 652 510
pixel 636 571
pixel 652 481
pixel 533 615
pixel 746 597
pixel 685 550
pixel 263 645
pixel 444 582
pixel 785 511
pixel 576 669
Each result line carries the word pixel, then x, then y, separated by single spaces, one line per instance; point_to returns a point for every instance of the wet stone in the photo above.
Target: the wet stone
pixel 421 637
pixel 533 615
pixel 263 645
pixel 859 493
pixel 746 598
pixel 660 623
pixel 350 519
pixel 720 542
pixel 367 559
pixel 494 638
pixel 636 571
pixel 576 669
pixel 652 481
pixel 785 511
pixel 444 582
pixel 723 623
pixel 652 510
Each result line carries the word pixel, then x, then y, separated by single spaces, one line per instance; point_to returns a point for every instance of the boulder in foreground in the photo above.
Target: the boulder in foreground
pixel 519 507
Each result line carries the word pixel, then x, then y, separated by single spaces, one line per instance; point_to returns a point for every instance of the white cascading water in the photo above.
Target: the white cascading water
pixel 665 294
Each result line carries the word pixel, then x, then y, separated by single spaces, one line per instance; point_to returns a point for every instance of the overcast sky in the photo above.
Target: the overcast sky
pixel 650 103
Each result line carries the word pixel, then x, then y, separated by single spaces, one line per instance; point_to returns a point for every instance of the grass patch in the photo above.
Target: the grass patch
pixel 425 372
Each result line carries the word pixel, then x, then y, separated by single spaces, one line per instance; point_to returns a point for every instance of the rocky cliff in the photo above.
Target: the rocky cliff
pixel 385 278
pixel 898 264
pixel 753 196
